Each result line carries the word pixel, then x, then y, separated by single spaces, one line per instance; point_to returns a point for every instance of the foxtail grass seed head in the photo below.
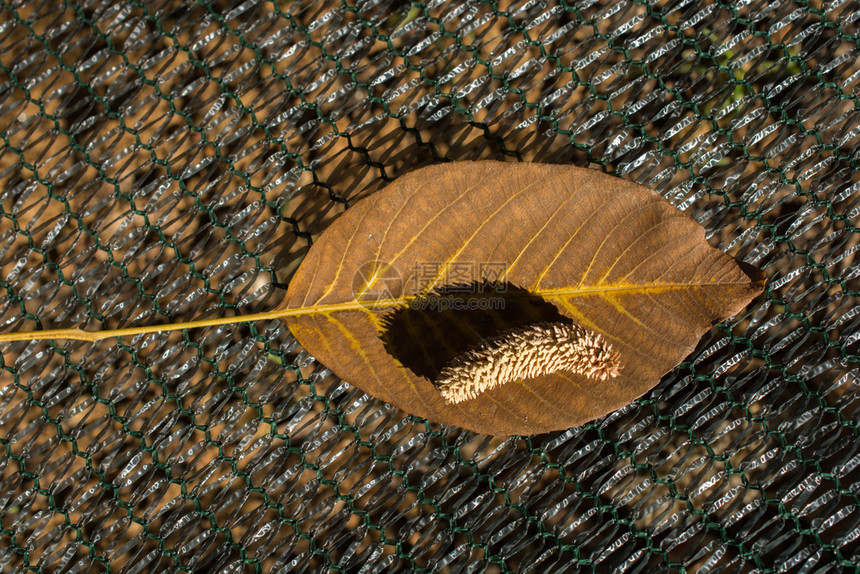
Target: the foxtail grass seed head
pixel 526 353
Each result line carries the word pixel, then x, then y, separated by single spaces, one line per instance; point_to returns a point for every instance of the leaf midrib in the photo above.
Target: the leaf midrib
pixel 353 305
pixel 562 292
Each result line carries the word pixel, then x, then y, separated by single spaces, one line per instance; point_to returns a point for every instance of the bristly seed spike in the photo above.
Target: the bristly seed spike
pixel 526 353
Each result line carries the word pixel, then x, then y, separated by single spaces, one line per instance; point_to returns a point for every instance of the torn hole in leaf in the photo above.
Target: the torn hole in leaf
pixel 441 325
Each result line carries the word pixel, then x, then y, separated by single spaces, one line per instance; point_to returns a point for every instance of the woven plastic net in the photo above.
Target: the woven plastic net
pixel 168 161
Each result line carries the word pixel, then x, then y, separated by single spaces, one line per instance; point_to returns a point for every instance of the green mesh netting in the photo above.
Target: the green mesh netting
pixel 168 161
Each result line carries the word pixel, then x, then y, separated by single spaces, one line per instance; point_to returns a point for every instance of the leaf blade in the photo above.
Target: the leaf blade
pixel 608 254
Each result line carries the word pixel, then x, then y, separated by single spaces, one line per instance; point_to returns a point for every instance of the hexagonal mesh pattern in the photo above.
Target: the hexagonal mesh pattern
pixel 168 161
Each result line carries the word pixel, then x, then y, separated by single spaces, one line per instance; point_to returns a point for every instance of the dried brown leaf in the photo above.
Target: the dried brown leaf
pixel 510 245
